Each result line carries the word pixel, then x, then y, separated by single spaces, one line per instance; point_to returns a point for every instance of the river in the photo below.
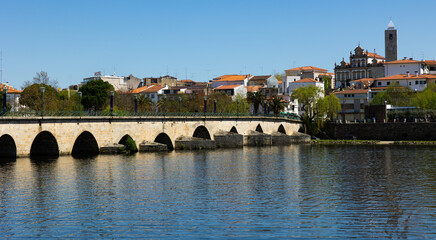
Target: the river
pixel 298 191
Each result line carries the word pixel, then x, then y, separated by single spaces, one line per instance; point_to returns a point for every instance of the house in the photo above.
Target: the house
pixel 307 72
pixel 286 80
pixel 413 81
pixel 119 83
pixel 265 81
pixel 230 80
pixel 153 92
pixel 12 96
pixel 353 102
pixel 405 65
pixel 161 81
pixel 305 82
pixel 232 90
pixel 186 83
pixel 132 82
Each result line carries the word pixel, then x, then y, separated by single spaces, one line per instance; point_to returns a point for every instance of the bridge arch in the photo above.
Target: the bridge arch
pixel 201 132
pixel 8 149
pixel 85 144
pixel 164 139
pixel 233 130
pixel 44 145
pixel 281 129
pixel 259 128
pixel 125 141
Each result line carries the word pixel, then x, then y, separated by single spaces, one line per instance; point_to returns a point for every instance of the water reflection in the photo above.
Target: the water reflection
pixel 296 191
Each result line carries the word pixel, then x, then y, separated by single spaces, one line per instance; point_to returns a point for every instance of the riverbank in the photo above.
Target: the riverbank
pixel 371 142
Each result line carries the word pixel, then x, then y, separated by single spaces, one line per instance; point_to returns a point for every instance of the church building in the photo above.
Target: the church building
pixel 364 64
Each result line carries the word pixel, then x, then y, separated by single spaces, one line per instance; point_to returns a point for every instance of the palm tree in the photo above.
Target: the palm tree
pixel 255 98
pixel 277 105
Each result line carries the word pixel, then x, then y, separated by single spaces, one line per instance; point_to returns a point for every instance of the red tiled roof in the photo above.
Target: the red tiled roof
pixel 353 91
pixel 187 81
pixel 405 77
pixel 225 78
pixel 265 77
pixel 226 87
pixel 253 88
pixel 306 80
pixel 146 89
pixel 371 55
pixel 307 68
pixel 11 90
pixel 430 62
pixel 403 61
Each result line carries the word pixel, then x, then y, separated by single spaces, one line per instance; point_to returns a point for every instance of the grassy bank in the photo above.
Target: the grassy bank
pixel 345 142
pixel 370 142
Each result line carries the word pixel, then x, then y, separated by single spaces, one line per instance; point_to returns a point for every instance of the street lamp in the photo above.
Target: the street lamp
pixel 5 92
pixel 214 106
pixel 205 104
pixel 136 103
pixel 264 107
pixel 112 102
pixel 80 101
pixel 42 89
pixel 237 107
pixel 180 104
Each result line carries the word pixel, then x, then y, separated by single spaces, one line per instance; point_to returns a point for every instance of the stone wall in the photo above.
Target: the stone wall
pixel 382 131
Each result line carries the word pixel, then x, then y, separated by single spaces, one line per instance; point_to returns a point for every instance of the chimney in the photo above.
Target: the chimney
pixel 410 58
pixel 416 73
pixel 407 74
pixel 405 58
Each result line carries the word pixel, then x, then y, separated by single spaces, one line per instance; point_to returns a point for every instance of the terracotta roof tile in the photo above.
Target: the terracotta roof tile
pixel 253 88
pixel 146 89
pixel 405 77
pixel 226 87
pixel 306 80
pixel 353 91
pixel 11 90
pixel 265 77
pixel 371 55
pixel 225 78
pixel 307 68
pixel 403 61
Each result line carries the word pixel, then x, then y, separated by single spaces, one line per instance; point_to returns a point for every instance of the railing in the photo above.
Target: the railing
pixel 138 114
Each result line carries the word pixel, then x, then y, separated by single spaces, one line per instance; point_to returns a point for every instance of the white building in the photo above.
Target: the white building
pixel 233 91
pixel 119 83
pixel 230 80
pixel 153 92
pixel 405 66
pixel 305 82
pixel 286 80
pixel 413 81
pixel 268 81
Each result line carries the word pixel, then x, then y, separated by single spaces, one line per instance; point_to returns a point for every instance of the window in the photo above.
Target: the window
pixel 352 95
pixel 416 82
pixel 388 83
pixel 379 83
pixel 410 83
pixel 391 36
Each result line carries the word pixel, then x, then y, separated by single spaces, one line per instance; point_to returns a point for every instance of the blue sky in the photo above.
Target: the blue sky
pixel 200 40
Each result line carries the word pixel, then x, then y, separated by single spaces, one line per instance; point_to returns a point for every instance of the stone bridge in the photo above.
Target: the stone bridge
pixel 34 136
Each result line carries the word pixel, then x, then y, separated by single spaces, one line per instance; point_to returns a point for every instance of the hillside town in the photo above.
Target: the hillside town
pixel 355 81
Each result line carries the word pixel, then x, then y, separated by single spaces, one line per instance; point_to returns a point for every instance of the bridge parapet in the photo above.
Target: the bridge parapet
pixel 66 134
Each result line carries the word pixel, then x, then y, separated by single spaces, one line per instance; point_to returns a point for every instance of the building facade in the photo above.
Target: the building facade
pixel 363 64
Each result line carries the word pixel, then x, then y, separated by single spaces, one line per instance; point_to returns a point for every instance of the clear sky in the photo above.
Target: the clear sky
pixel 200 39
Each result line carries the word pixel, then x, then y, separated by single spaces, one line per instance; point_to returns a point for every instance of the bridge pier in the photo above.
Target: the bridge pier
pixel 255 138
pixel 228 139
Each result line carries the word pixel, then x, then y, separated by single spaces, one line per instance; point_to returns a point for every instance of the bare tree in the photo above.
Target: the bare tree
pixel 41 78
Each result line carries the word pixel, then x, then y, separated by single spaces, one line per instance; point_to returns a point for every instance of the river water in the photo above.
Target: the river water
pixel 299 191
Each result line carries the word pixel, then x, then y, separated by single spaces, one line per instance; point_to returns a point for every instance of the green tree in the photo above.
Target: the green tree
pixel 31 97
pixel 277 105
pixel 255 98
pixel 427 98
pixel 316 108
pixel 395 95
pixel 327 82
pixel 8 106
pixel 95 94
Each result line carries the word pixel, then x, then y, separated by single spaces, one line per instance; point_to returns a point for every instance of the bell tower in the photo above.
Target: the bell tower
pixel 391 43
